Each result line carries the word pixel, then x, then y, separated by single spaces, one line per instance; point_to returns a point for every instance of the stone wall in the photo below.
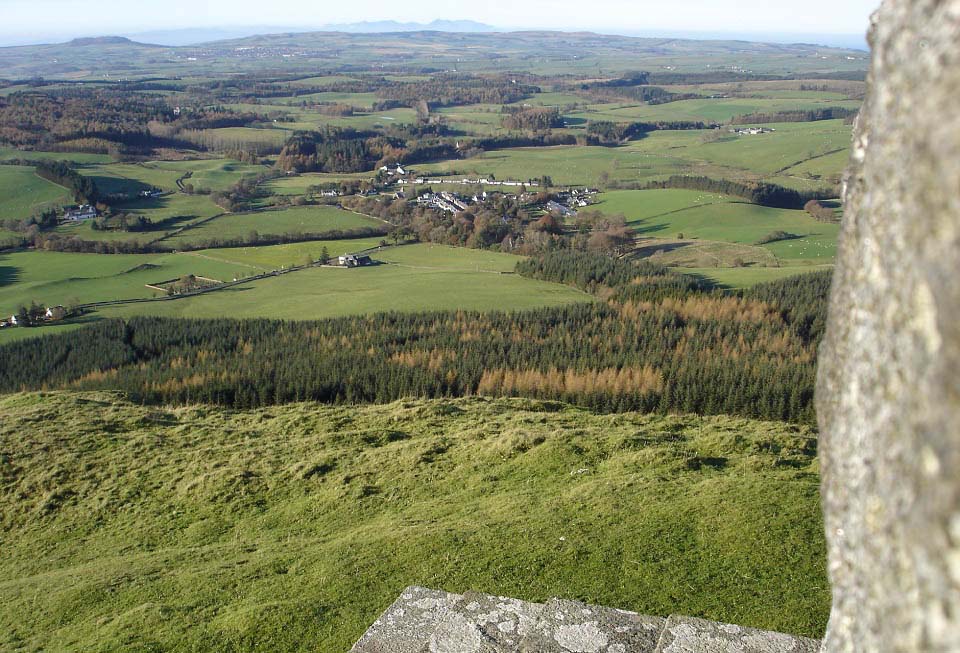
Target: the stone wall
pixel 888 393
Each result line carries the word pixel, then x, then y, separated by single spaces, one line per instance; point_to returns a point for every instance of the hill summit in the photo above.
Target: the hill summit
pixel 103 40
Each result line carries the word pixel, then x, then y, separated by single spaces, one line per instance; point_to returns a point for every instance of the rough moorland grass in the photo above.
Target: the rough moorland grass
pixel 291 528
pixel 23 193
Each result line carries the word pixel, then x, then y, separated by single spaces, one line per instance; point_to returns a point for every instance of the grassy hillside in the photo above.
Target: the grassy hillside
pixel 23 193
pixel 418 277
pixel 291 528
pixel 303 219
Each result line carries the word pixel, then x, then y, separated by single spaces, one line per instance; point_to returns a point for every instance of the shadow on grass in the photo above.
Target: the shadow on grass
pixel 120 185
pixel 706 282
pixel 9 275
pixel 663 248
pixel 642 227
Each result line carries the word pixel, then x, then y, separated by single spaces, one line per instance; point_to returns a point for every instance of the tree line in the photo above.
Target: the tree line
pixel 757 192
pixel 677 350
pixel 84 189
pixel 617 132
pixel 812 115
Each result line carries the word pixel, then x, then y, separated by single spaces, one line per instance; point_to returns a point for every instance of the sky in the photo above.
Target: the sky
pixel 36 20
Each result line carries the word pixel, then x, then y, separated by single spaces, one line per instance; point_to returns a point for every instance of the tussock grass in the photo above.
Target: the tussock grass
pixel 291 528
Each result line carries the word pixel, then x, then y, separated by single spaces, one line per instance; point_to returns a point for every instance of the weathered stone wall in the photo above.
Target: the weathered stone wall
pixel 889 379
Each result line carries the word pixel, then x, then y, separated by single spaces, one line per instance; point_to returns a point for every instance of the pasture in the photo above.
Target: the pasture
pixel 567 165
pixel 52 278
pixel 274 257
pixel 808 152
pixel 212 174
pixel 734 278
pixel 693 215
pixel 425 278
pixel 23 193
pixel 719 110
pixel 301 219
pixel 300 184
pixel 411 278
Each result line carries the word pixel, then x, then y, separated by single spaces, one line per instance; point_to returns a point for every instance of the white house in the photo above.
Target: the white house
pixel 84 212
pixel 354 260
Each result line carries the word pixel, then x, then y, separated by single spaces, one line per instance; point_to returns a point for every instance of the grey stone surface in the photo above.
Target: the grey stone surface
pixel 689 635
pixel 480 623
pixel 428 621
pixel 574 627
pixel 408 624
pixel 888 391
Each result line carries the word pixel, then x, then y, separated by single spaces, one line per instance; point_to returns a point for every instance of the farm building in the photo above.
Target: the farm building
pixel 55 313
pixel 84 212
pixel 355 260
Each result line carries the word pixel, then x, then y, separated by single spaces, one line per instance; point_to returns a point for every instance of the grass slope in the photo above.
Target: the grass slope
pixel 23 193
pixel 302 219
pixel 412 278
pixel 290 529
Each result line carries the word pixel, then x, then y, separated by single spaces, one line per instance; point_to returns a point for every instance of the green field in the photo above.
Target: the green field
pixel 301 219
pixel 212 174
pixel 791 145
pixel 174 205
pixel 637 206
pixel 661 214
pixel 23 193
pixel 52 278
pixel 705 110
pixel 795 151
pixel 9 153
pixel 565 164
pixel 298 184
pixel 746 277
pixel 273 257
pixel 131 177
pixel 411 278
pixel 291 529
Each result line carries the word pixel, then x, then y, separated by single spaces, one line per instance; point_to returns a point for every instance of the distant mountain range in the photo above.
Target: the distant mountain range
pixel 373 27
pixel 196 35
pixel 413 48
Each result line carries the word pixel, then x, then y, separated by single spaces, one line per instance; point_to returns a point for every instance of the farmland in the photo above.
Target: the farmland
pixel 412 278
pixel 312 219
pixel 477 379
pixel 724 219
pixel 23 193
